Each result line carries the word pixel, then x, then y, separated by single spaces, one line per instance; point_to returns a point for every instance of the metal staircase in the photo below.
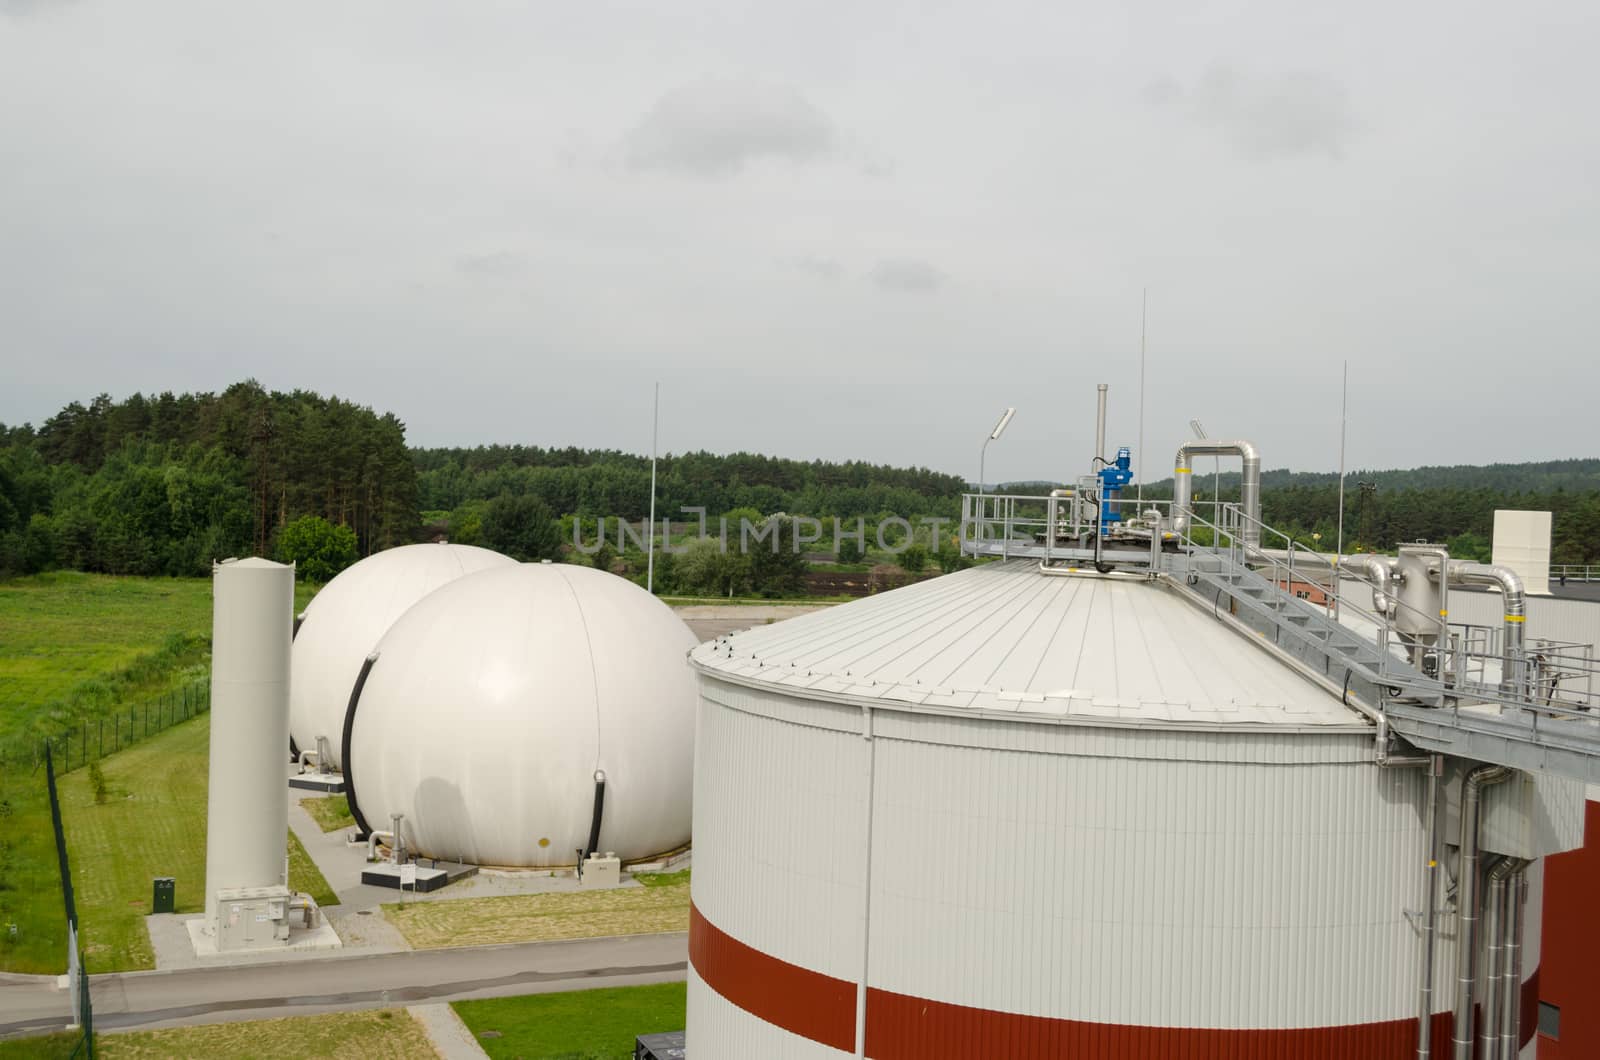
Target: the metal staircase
pixel 1304 631
pixel 1454 711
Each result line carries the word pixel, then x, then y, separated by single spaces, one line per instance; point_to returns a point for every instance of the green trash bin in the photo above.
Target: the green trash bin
pixel 165 900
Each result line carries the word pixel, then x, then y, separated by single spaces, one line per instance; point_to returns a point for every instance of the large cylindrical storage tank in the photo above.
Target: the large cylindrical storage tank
pixel 1002 814
pixel 495 701
pixel 247 817
pixel 345 620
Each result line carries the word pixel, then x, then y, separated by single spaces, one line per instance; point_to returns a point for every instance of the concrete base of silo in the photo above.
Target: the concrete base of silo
pixel 301 940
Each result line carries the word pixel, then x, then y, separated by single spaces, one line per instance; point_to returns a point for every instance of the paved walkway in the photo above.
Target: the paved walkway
pixel 449 1035
pixel 261 991
pixel 709 621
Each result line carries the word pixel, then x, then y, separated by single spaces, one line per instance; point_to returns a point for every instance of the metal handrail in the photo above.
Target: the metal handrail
pixel 1461 657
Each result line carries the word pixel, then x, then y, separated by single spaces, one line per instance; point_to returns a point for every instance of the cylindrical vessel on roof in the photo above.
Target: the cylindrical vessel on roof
pixel 1005 814
pixel 494 703
pixel 246 813
pixel 345 620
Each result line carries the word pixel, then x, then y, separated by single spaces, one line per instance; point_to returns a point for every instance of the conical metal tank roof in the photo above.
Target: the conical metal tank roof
pixel 1003 638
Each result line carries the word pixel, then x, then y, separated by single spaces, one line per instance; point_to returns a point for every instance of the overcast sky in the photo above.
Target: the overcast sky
pixel 837 230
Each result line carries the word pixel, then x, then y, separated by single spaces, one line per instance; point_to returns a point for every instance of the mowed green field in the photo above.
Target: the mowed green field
pixel 55 631
pixel 575 1025
pixel 65 630
pixel 75 644
pixel 151 823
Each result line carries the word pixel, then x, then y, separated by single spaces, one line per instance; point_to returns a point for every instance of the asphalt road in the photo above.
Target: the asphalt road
pixel 31 1005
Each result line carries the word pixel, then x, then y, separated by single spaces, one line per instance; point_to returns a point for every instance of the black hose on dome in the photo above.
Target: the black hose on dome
pixel 294 750
pixel 599 811
pixel 362 828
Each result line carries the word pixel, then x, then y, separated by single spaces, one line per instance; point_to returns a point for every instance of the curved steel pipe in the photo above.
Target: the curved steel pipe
pixel 1249 484
pixel 1467 912
pixel 1379 571
pixel 1512 681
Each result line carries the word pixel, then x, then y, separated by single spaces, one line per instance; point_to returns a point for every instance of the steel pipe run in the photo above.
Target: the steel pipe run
pixel 1512 681
pixel 1511 988
pixel 1379 570
pixel 1249 484
pixel 1494 906
pixel 1497 965
pixel 1430 929
pixel 1467 912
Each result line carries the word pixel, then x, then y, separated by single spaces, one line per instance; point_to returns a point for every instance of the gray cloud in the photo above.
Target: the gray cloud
pixel 1265 116
pixel 497 264
pixel 907 276
pixel 716 127
pixel 29 7
pixel 819 268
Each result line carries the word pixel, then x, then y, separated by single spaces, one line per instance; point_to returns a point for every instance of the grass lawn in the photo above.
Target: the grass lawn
pixel 335 1036
pixel 331 812
pixel 153 823
pixel 663 879
pixel 540 917
pixel 578 1025
pixel 77 646
pixel 42 1047
pixel 62 628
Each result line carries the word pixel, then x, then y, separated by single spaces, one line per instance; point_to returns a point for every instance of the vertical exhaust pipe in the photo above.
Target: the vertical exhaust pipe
pixel 1494 906
pixel 1467 899
pixel 1431 906
pixel 1100 426
pixel 1511 991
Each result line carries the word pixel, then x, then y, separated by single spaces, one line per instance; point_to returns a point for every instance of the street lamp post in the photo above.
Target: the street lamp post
pixel 999 429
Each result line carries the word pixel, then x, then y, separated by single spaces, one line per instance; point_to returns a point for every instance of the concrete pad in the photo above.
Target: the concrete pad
pixel 326 783
pixel 301 940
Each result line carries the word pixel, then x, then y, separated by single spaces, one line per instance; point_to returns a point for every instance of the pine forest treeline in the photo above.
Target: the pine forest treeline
pixel 164 484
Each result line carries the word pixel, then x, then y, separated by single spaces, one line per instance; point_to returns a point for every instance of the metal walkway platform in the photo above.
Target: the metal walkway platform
pixel 1460 707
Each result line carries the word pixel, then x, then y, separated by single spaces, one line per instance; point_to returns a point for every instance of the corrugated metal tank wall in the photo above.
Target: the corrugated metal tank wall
pixel 1126 886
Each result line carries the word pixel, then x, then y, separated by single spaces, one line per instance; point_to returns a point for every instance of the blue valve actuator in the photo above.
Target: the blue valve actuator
pixel 1113 477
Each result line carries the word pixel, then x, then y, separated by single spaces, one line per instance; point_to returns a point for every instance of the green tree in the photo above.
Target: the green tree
pixel 914 559
pixel 776 566
pixel 318 549
pixel 523 527
pixel 706 570
pixel 849 551
pixel 949 556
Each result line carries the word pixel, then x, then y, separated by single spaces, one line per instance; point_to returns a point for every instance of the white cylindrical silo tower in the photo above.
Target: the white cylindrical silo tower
pixel 1006 814
pixel 246 813
pixel 496 701
pixel 345 620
